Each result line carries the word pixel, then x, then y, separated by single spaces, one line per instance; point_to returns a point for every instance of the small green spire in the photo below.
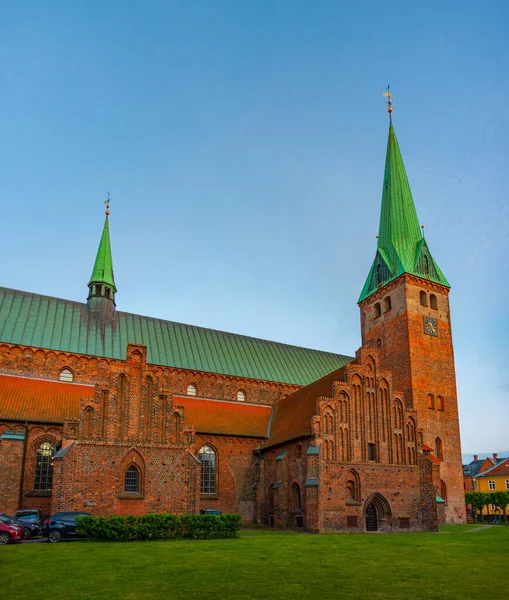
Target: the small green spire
pixel 401 245
pixel 103 266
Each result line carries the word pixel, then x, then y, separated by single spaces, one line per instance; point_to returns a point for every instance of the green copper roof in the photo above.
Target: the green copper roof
pixel 63 325
pixel 103 266
pixel 401 246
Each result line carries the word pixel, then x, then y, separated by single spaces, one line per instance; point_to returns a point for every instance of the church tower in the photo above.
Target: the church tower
pixel 102 289
pixel 405 314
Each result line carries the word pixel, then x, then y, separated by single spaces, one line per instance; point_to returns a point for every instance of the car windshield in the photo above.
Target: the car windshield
pixel 6 519
pixel 32 515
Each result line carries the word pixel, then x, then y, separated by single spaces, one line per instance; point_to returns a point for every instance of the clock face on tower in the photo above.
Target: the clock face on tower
pixel 430 326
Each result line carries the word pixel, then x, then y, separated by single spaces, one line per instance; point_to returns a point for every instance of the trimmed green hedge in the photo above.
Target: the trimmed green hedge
pixel 158 526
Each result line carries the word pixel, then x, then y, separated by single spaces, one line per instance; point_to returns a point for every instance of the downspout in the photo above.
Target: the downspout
pixel 23 461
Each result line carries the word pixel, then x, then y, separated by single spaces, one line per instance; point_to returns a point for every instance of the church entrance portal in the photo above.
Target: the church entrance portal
pixel 377 513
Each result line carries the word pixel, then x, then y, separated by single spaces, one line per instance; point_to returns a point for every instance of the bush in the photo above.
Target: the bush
pixel 158 526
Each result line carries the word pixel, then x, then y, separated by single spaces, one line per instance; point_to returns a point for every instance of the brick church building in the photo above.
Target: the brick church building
pixel 116 413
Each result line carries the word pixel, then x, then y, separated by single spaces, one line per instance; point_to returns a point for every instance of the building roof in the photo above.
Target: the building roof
pixel 293 415
pixel 63 325
pixel 223 417
pixel 28 399
pixel 401 246
pixel 501 469
pixel 103 266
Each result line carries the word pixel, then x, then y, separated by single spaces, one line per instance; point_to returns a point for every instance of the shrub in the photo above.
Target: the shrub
pixel 158 526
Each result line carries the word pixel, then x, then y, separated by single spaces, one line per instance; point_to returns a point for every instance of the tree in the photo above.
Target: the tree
pixel 500 499
pixel 478 500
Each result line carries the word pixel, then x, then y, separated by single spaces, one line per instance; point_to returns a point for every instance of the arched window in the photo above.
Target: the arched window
pixel 241 396
pixel 443 490
pixel 439 449
pixel 353 487
pixel 66 374
pixel 387 303
pixel 431 401
pixel 329 423
pixel 208 470
pixel 191 390
pixel 44 467
pixel 440 403
pixel 410 430
pixel 132 480
pixel 296 497
pixel 378 310
pixel 433 302
pixel 424 298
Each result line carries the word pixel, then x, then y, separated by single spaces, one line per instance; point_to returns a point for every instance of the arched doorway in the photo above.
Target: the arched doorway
pixel 371 518
pixel 377 513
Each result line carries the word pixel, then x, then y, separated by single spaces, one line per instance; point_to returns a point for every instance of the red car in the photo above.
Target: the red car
pixel 11 532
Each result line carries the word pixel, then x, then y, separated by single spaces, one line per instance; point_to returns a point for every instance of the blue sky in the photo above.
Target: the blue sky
pixel 243 144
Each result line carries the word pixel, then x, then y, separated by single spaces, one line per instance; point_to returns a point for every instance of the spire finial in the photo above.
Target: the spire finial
pixel 107 204
pixel 389 97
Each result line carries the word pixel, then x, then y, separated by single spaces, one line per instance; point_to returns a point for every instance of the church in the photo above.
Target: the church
pixel 109 412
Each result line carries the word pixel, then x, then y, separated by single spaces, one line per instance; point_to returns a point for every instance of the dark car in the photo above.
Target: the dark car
pixel 31 519
pixel 10 531
pixel 62 525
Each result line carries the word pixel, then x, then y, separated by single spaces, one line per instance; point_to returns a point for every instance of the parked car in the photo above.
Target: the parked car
pixel 62 525
pixel 10 531
pixel 31 519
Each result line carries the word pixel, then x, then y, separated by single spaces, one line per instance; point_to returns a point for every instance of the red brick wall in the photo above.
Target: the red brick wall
pixel 420 365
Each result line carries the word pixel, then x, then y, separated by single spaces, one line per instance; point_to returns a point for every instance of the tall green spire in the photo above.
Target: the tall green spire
pixel 103 266
pixel 401 246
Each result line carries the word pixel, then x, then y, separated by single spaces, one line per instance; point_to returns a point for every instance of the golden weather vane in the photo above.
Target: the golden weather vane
pixel 107 204
pixel 390 98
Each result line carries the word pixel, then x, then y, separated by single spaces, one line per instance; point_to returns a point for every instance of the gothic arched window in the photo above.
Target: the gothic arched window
pixel 132 480
pixel 207 457
pixel 66 374
pixel 191 390
pixel 44 467
pixel 439 449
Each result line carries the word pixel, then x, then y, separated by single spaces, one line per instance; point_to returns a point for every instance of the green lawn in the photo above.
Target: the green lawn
pixel 260 565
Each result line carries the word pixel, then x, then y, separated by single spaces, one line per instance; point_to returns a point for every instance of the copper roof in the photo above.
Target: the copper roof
pixel 28 399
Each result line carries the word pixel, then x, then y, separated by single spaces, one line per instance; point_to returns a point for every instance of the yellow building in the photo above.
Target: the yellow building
pixel 495 479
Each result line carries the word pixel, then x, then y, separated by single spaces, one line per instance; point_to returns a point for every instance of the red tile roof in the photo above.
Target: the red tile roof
pixel 293 414
pixel 27 399
pixel 500 470
pixel 225 417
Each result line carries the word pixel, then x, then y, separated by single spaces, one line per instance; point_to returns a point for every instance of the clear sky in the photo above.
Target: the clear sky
pixel 243 143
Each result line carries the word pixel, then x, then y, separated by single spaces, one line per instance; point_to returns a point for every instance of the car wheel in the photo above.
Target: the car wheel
pixel 26 533
pixel 5 538
pixel 54 536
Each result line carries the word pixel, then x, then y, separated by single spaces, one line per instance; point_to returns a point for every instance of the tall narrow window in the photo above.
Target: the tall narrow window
pixel 387 304
pixel 208 470
pixel 443 490
pixel 378 310
pixel 241 396
pixel 89 417
pixel 431 401
pixel 176 418
pixel 66 374
pixel 132 480
pixel 433 302
pixel 44 467
pixel 371 451
pixel 440 402
pixel 191 390
pixel 439 449
pixel 424 298
pixel 491 484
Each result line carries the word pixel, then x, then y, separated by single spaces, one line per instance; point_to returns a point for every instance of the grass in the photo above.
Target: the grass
pixel 460 528
pixel 262 565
